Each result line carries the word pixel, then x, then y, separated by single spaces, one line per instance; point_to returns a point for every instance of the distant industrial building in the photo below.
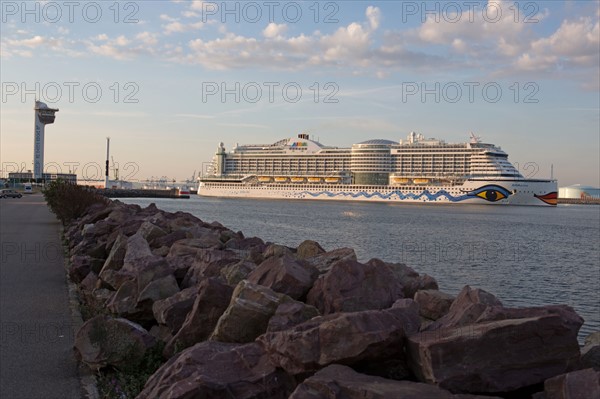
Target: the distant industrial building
pixel 26 177
pixel 578 191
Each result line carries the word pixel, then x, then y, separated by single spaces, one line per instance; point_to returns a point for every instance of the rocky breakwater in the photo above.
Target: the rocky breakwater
pixel 238 317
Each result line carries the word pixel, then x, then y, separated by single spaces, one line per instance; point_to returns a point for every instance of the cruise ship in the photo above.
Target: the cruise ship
pixel 415 170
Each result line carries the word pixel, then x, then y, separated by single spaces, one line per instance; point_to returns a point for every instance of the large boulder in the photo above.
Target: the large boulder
pixel 496 356
pixel 80 266
pixel 433 304
pixel 169 239
pixel 208 263
pixel 590 353
pixel 173 310
pixel 190 246
pixel 236 272
pixel 219 370
pixel 150 232
pixel 104 341
pixel 156 290
pixel 116 256
pixel 211 301
pixel 137 249
pixel 351 286
pixel 289 314
pixel 468 306
pixel 278 250
pixel 285 275
pixel 410 280
pixel 309 249
pixel 347 338
pixel 248 313
pixel 341 382
pixel 324 261
pixel 579 384
pixel 124 301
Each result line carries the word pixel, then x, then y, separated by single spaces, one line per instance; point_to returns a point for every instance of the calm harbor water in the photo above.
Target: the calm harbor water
pixel 526 256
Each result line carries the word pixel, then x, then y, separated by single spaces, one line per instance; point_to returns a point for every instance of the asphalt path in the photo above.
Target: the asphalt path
pixel 36 335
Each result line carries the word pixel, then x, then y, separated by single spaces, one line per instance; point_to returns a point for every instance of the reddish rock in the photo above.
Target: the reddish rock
pixel 104 341
pixel 341 382
pixel 124 301
pixel 219 370
pixel 348 338
pixel 309 249
pixel 236 272
pixel 81 266
pixel 278 250
pixel 169 239
pixel 150 231
pixel 590 353
pixel 285 275
pixel 92 248
pixel 190 246
pixel 173 310
pixel 580 384
pixel 208 263
pixel 495 313
pixel 496 356
pixel 115 258
pixel 161 333
pixel 248 313
pixel 410 280
pixel 289 314
pixel 351 286
pixel 468 306
pixel 137 248
pixel 158 289
pixel 88 284
pixel 212 300
pixel 246 244
pixel 433 304
pixel 101 228
pixel 324 261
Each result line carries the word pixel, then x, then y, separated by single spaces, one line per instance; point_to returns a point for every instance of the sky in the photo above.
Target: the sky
pixel 168 80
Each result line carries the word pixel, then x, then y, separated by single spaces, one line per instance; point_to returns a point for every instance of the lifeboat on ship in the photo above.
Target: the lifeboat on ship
pixel 332 180
pixel 265 179
pixel 281 179
pixel 297 179
pixel 420 181
pixel 314 180
pixel 400 180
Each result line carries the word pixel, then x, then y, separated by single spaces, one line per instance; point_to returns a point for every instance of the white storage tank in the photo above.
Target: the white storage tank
pixel 578 191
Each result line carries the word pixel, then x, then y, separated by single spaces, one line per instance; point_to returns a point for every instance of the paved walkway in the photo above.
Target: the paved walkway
pixel 36 335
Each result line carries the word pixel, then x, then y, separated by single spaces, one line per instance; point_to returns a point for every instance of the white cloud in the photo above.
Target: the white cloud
pixel 274 30
pixel 196 5
pixel 374 17
pixel 574 45
pixel 147 38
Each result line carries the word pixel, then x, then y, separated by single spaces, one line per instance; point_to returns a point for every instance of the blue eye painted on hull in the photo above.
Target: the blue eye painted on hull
pixel 491 193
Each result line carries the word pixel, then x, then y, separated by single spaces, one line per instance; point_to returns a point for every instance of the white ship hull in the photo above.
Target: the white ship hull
pixel 476 191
